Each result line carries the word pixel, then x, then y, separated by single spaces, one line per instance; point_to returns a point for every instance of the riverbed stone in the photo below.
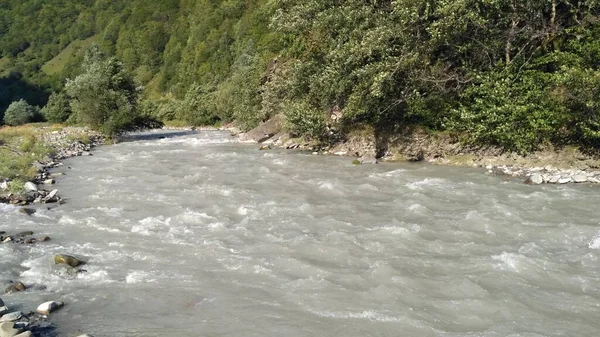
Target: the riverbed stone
pixel 7 329
pixel 580 178
pixel 25 334
pixel 554 179
pixel 30 187
pixel 368 159
pixel 15 288
pixel 594 180
pixel 11 316
pixel 564 180
pixel 536 179
pixel 48 307
pixel 68 260
pixel 27 211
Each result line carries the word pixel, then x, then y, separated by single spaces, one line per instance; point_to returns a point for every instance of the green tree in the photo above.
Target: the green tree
pixel 20 112
pixel 58 108
pixel 104 96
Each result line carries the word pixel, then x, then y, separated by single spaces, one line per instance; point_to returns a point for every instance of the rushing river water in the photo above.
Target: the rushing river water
pixel 196 235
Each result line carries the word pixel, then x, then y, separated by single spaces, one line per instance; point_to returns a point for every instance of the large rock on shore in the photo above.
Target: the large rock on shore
pixel 263 132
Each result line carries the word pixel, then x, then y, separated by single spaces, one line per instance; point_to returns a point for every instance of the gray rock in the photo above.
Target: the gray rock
pixel 554 179
pixel 367 159
pixel 7 329
pixel 30 187
pixel 536 179
pixel 594 180
pixel 3 185
pixel 11 317
pixel 564 180
pixel 49 307
pixel 25 334
pixel 51 194
pixel 3 309
pixel 49 181
pixel 28 211
pixel 580 178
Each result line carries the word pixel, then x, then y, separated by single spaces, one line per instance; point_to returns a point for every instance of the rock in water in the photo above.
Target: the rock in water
pixel 15 288
pixel 49 307
pixel 7 329
pixel 67 259
pixel 3 309
pixel 28 211
pixel 11 317
pixel 580 178
pixel 368 160
pixel 30 187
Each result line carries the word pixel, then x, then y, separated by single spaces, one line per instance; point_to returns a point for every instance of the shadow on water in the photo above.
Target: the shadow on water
pixel 155 135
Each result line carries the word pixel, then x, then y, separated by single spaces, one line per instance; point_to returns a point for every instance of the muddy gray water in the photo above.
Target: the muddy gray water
pixel 196 235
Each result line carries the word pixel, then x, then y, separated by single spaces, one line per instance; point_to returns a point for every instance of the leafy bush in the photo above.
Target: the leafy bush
pixel 58 108
pixel 19 113
pixel 304 120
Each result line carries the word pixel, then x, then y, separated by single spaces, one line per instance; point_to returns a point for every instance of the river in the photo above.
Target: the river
pixel 197 235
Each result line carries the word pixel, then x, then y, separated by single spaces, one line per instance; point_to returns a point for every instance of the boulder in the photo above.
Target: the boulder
pixel 68 260
pixel 51 195
pixel 367 159
pixel 30 187
pixel 7 329
pixel 580 178
pixel 564 180
pixel 535 179
pixel 554 179
pixel 11 317
pixel 49 307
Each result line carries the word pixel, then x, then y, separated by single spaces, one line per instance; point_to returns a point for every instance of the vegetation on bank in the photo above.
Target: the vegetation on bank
pixel 20 147
pixel 514 74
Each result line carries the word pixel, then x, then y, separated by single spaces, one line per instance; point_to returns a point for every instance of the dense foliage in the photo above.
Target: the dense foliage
pixel 19 113
pixel 516 74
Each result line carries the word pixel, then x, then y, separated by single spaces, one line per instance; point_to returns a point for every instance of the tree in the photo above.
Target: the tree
pixel 104 96
pixel 58 108
pixel 20 112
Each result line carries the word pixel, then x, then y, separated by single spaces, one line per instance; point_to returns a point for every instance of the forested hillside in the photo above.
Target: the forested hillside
pixel 517 74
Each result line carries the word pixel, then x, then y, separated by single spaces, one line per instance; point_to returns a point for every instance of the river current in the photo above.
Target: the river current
pixel 198 235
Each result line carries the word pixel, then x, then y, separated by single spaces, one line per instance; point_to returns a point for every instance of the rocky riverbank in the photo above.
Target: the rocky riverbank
pixel 61 144
pixel 549 166
pixel 29 323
